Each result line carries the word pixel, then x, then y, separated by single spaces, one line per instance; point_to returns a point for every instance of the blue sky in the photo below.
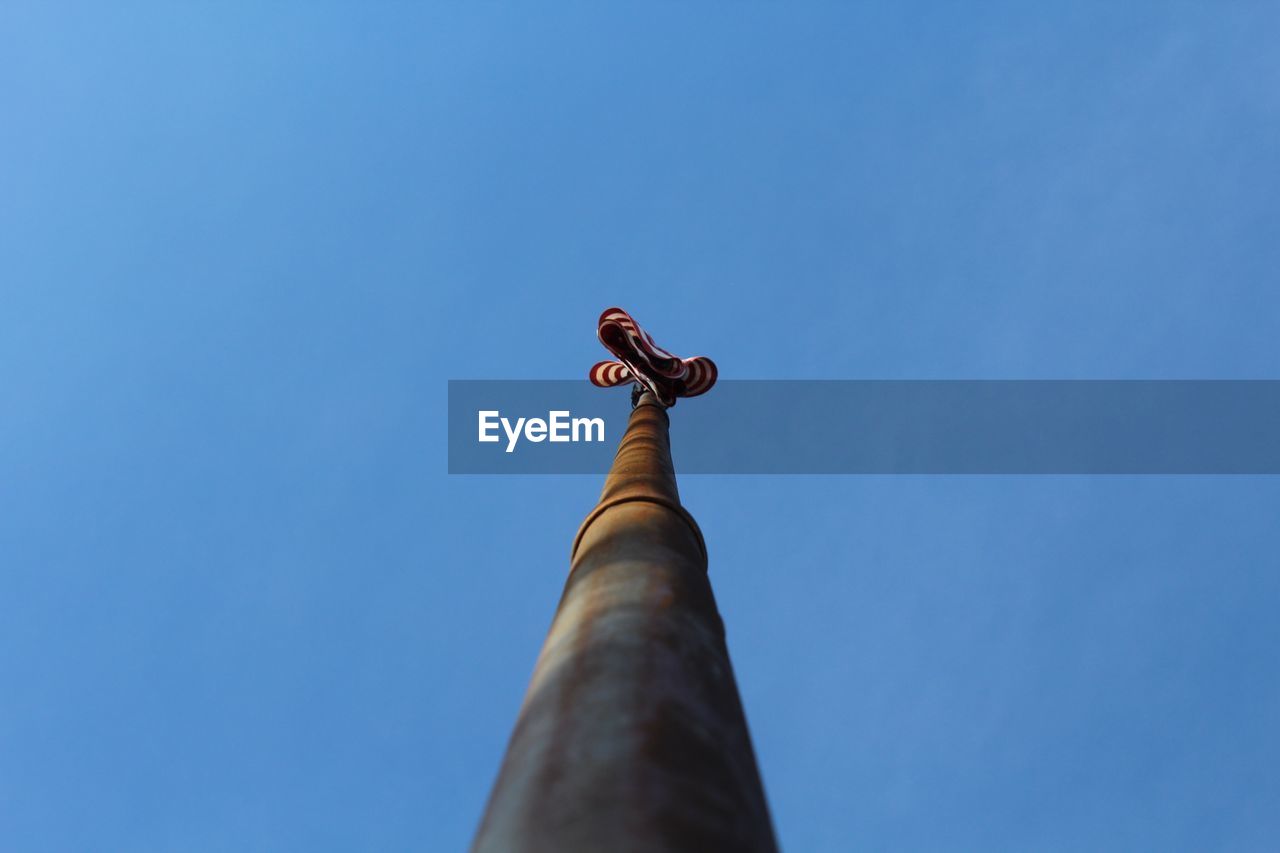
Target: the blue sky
pixel 242 606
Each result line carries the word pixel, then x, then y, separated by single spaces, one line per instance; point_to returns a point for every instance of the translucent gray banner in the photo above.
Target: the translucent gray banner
pixel 882 427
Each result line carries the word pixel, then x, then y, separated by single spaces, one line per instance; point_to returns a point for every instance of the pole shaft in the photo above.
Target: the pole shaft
pixel 632 736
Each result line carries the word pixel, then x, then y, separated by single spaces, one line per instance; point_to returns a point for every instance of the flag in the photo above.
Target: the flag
pixel 641 360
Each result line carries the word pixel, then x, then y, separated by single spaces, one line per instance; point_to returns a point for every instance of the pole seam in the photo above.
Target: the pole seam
pixel 652 499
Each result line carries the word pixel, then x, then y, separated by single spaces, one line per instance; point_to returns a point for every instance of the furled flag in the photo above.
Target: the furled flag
pixel 643 361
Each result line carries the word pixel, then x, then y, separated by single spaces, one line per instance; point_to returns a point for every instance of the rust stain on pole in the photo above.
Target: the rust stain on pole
pixel 632 736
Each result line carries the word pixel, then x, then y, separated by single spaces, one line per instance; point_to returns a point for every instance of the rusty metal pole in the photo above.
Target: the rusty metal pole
pixel 632 736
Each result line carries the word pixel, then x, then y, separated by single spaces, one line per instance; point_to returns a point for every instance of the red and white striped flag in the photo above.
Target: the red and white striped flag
pixel 641 360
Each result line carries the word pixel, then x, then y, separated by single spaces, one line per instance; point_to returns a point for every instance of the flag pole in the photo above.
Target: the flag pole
pixel 632 736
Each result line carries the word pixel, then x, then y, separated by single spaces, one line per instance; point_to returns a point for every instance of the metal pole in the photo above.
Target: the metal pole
pixel 631 736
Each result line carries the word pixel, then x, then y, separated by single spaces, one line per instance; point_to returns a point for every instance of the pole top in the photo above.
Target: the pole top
pixel 642 361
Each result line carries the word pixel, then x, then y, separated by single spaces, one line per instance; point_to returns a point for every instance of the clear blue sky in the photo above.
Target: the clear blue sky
pixel 242 248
